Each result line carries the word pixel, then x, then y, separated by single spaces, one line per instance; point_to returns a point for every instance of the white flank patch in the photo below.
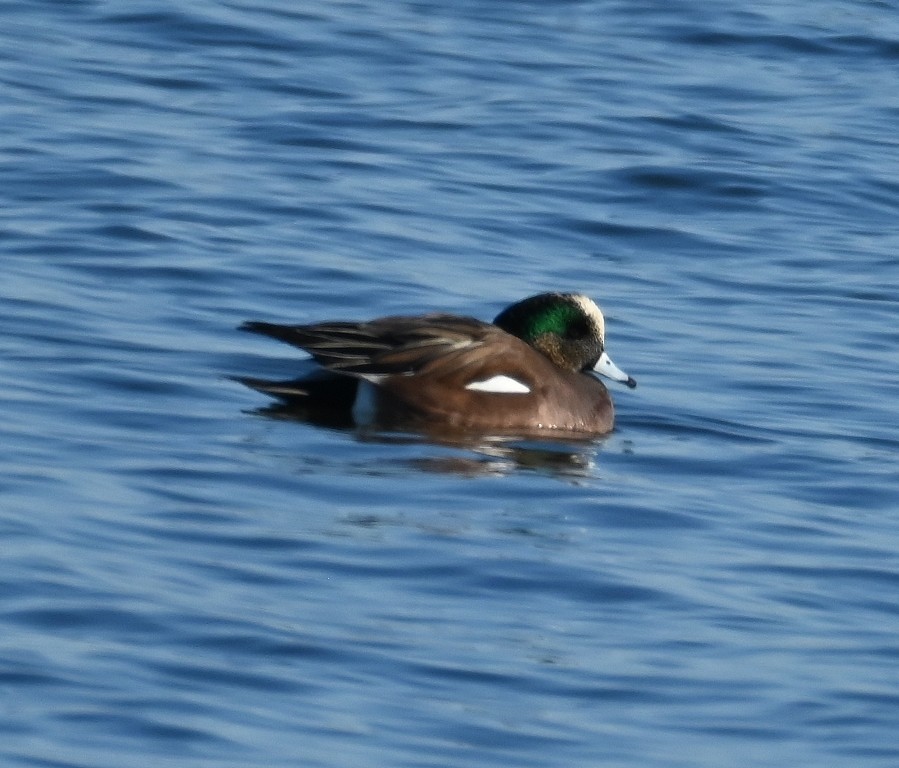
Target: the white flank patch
pixel 504 385
pixel 365 406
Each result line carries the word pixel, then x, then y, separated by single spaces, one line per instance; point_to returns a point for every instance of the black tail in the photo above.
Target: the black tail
pixel 294 335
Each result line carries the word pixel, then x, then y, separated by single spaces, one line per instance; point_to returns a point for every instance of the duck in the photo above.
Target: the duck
pixel 529 372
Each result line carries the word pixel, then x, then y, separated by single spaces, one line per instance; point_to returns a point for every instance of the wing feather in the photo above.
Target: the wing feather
pixel 388 346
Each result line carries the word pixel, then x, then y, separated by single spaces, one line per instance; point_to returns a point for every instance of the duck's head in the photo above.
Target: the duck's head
pixel 566 327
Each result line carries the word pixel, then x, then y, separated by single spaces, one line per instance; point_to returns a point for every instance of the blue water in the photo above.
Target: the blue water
pixel 185 582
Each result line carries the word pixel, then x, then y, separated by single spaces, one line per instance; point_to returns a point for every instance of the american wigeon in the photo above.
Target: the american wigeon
pixel 528 372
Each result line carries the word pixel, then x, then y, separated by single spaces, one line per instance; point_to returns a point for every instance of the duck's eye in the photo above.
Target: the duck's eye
pixel 577 329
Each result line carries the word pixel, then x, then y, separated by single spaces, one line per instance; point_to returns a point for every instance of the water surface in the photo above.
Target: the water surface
pixel 187 580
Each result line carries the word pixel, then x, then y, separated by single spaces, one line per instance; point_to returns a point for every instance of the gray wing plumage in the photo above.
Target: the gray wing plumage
pixel 387 346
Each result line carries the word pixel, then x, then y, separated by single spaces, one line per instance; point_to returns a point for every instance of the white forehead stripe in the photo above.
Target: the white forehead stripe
pixel 505 385
pixel 589 308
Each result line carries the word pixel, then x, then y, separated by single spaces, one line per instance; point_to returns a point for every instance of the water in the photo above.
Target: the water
pixel 186 582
